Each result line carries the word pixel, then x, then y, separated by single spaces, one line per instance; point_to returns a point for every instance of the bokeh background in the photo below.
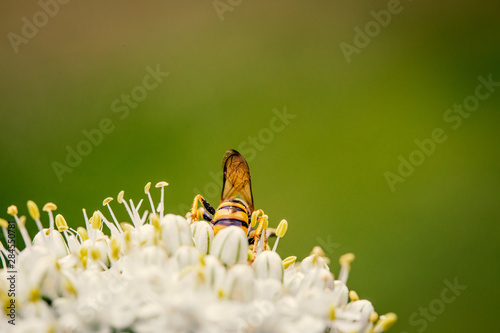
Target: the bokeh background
pixel 323 171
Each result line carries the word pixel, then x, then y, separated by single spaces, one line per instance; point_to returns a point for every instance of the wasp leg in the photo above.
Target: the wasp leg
pixel 207 206
pixel 199 213
pixel 206 217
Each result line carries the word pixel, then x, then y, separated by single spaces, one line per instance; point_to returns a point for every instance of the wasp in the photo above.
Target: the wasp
pixel 236 207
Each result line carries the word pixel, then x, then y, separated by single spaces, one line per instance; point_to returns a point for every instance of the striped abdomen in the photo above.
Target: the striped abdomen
pixel 231 212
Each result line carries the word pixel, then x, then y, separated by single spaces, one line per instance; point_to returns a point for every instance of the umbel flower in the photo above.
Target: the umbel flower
pixel 165 273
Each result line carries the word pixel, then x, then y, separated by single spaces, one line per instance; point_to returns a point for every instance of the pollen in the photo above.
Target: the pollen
pixel 33 210
pixel 161 184
pixel 3 223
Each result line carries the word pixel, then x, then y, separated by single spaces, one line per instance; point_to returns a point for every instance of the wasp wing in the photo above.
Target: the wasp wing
pixel 236 179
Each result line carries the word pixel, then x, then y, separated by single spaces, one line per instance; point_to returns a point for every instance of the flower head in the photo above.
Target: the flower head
pixel 164 273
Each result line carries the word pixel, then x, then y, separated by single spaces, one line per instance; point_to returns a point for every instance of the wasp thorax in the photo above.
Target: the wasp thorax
pixel 230 246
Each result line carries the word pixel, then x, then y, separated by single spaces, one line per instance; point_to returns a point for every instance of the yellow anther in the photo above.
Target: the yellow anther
pixel 147 187
pixel 220 293
pixel 265 222
pixel 22 220
pixel 61 223
pixel 95 253
pixel 115 248
pixel 318 251
pixel 96 221
pixel 255 216
pixel 346 259
pixel 387 320
pixel 49 206
pixel 107 201
pixel 155 220
pixel 288 261
pixel 161 184
pixel 126 226
pixel 84 262
pixel 4 223
pixel 353 296
pixel 84 251
pixel 12 210
pixel 83 233
pixel 127 236
pixel 373 317
pixel 120 196
pixel 332 312
pixel 33 210
pixel 69 286
pixel 34 294
pixel 250 256
pixel 282 228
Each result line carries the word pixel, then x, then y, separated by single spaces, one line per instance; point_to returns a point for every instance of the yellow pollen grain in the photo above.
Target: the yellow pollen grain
pixel 61 223
pixel 83 233
pixel 107 201
pixel 4 223
pixel 353 296
pixel 49 206
pixel 161 184
pixel 22 220
pixel 33 210
pixel 12 210
pixel 288 261
pixel 282 228
pixel 120 196
pixel 147 187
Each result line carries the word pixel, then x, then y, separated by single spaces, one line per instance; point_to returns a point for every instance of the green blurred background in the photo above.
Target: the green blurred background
pixel 324 172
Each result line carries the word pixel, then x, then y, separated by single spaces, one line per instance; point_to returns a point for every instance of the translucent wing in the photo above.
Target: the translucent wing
pixel 236 179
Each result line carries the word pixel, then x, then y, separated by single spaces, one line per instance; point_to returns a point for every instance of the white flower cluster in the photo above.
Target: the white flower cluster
pixel 165 274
